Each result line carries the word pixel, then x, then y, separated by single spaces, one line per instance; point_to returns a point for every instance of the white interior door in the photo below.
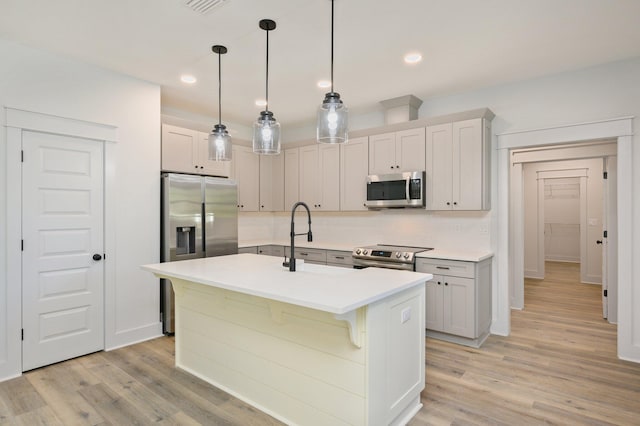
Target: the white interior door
pixel 62 268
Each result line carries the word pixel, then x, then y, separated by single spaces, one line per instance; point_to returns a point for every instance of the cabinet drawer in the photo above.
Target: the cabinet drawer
pixel 453 268
pixel 339 257
pixel 271 250
pixel 311 255
pixel 251 249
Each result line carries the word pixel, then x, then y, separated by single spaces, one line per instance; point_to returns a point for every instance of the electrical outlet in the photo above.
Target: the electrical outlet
pixel 405 315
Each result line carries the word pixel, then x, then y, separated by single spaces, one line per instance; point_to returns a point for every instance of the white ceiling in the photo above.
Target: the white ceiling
pixel 466 44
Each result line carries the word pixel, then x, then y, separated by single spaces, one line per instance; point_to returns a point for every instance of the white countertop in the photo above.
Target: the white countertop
pixel 326 288
pixel 450 254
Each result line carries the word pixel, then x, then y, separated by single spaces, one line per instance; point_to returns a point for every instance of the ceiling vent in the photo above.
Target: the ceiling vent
pixel 203 7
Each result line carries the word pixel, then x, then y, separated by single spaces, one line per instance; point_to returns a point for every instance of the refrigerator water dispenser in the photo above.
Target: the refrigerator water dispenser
pixel 185 240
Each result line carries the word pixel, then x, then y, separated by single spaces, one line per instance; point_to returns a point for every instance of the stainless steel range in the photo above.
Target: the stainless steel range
pixel 387 256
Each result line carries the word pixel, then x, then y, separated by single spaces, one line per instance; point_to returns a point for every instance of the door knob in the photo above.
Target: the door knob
pixel 97 257
pixel 598 241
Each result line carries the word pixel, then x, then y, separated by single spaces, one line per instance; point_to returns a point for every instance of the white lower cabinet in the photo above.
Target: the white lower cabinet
pixel 458 300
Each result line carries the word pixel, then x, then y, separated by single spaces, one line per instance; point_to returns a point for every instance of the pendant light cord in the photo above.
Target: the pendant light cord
pixel 332 1
pixel 219 89
pixel 266 84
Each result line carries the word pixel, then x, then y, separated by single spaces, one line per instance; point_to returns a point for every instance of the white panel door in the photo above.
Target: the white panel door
pixel 62 219
pixel 410 150
pixel 434 296
pixel 209 167
pixel 179 152
pixel 309 176
pixel 329 183
pixel 291 178
pixel 467 163
pixel 459 306
pixel 382 154
pixel 439 160
pixel 354 168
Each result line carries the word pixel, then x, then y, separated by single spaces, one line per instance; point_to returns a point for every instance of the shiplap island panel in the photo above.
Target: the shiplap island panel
pixel 325 345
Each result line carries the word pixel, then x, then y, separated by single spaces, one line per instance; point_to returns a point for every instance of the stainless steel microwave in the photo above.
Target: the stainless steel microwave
pixel 396 190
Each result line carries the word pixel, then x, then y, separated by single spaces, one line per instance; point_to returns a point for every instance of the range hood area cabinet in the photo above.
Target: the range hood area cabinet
pixel 187 151
pixel 458 165
pixel 397 152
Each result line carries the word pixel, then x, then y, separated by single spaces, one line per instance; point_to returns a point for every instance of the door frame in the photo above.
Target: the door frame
pixel 509 253
pixel 17 121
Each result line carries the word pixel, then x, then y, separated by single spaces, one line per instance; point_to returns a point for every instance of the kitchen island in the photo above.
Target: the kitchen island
pixel 323 345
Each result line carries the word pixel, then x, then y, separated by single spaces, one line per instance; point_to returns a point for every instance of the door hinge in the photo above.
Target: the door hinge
pixel 605 293
pixel 22 334
pixel 604 175
pixel 21 156
pixel 604 234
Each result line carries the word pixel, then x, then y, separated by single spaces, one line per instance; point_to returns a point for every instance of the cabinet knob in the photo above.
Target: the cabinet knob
pixel 448 203
pixel 446 283
pixel 202 167
pixel 455 203
pixel 392 167
pixel 196 167
pixel 439 283
pixel 397 167
pixel 262 207
pixel 238 205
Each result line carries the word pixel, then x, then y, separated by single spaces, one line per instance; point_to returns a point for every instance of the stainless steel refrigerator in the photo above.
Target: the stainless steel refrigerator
pixel 199 218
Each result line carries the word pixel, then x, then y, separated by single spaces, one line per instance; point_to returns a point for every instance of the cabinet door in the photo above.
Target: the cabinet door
pixel 206 166
pixel 459 306
pixel 291 178
pixel 354 168
pixel 309 176
pixel 410 150
pixel 438 161
pixel 179 149
pixel 382 154
pixel 467 167
pixel 245 170
pixel 433 307
pixel 329 179
pixel 271 183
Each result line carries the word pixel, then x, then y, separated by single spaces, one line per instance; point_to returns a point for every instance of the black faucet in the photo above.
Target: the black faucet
pixel 292 258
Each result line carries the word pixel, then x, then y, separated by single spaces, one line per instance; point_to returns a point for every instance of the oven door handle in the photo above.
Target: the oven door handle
pixel 387 265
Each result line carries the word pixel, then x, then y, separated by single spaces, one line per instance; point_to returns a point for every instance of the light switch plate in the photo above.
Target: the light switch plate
pixel 405 315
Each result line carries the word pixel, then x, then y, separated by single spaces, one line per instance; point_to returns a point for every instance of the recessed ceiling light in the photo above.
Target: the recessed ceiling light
pixel 324 84
pixel 261 102
pixel 412 58
pixel 189 79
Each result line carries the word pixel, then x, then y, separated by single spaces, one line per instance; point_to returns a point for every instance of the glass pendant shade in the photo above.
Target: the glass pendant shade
pixel 266 130
pixel 219 138
pixel 266 134
pixel 219 144
pixel 333 125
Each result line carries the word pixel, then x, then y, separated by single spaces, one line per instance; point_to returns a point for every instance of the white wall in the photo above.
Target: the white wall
pixel 43 82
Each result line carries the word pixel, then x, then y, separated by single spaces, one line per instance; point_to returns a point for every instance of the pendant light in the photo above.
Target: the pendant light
pixel 332 114
pixel 219 139
pixel 266 130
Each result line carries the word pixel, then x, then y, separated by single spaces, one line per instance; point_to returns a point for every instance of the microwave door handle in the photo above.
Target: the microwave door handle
pixel 406 191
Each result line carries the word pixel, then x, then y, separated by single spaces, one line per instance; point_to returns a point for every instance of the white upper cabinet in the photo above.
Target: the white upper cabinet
pixel 291 178
pixel 458 165
pixel 354 168
pixel 319 171
pixel 396 152
pixel 187 151
pixel 245 170
pixel 272 183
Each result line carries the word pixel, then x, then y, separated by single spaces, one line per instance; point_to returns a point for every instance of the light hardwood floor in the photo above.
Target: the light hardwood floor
pixel 559 366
